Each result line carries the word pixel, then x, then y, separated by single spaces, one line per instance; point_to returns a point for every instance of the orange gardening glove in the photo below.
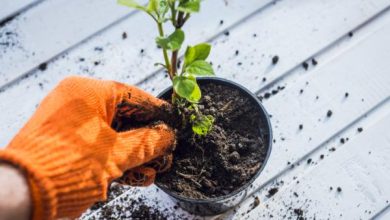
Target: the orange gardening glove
pixel 70 153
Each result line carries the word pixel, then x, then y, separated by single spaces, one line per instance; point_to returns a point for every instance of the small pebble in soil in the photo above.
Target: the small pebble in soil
pixel 42 66
pixel 346 94
pixel 267 95
pixel 329 113
pixel 332 149
pixel 314 62
pixel 305 65
pixel 264 79
pixel 339 189
pixel 227 33
pixel 300 126
pixel 237 52
pixel 275 60
pixel 309 161
pixel 360 129
pixel 295 194
pixel 342 140
pixel 322 156
pixel 272 192
pixel 124 35
pixel 350 34
pixel 96 63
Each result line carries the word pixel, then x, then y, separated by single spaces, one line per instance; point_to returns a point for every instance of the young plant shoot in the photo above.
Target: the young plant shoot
pixel 186 93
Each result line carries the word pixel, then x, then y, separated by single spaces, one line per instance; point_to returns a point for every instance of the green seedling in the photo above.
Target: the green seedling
pixel 186 93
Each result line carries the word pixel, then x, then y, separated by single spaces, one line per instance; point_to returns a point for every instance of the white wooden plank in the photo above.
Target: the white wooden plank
pixel 384 215
pixel 360 168
pixel 293 148
pixel 9 8
pixel 293 30
pixel 119 59
pixel 51 28
pixel 366 81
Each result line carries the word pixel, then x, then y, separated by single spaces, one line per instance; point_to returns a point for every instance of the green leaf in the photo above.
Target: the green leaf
pixel 200 68
pixel 187 87
pixel 189 6
pixel 173 41
pixel 202 125
pixel 160 7
pixel 131 4
pixel 153 6
pixel 197 52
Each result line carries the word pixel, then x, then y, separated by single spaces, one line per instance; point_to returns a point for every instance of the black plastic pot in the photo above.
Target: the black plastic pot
pixel 218 205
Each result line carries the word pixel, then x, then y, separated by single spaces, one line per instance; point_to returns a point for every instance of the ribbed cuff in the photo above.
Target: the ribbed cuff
pixel 57 190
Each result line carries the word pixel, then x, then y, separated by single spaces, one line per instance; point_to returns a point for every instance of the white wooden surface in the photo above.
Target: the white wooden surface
pixel 60 33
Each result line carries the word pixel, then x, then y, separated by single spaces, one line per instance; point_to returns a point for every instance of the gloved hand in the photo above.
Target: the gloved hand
pixel 70 153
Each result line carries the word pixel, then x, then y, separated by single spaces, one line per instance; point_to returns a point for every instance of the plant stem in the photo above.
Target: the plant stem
pixel 179 22
pixel 165 53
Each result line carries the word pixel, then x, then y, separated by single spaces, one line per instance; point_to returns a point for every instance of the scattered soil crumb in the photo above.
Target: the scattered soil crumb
pixel 339 189
pixel 256 202
pixel 124 35
pixel 305 65
pixel 346 94
pixel 275 60
pixel 221 22
pixel 295 194
pixel 272 192
pixel 42 66
pixel 329 113
pixel 360 129
pixel 264 79
pixel 350 34
pixel 227 33
pixel 299 213
pixel 300 126
pixel 332 149
pixel 309 161
pixel 237 52
pixel 322 156
pixel 342 140
pixel 314 62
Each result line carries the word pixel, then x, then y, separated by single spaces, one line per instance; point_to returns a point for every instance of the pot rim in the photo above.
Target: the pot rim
pixel 268 125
